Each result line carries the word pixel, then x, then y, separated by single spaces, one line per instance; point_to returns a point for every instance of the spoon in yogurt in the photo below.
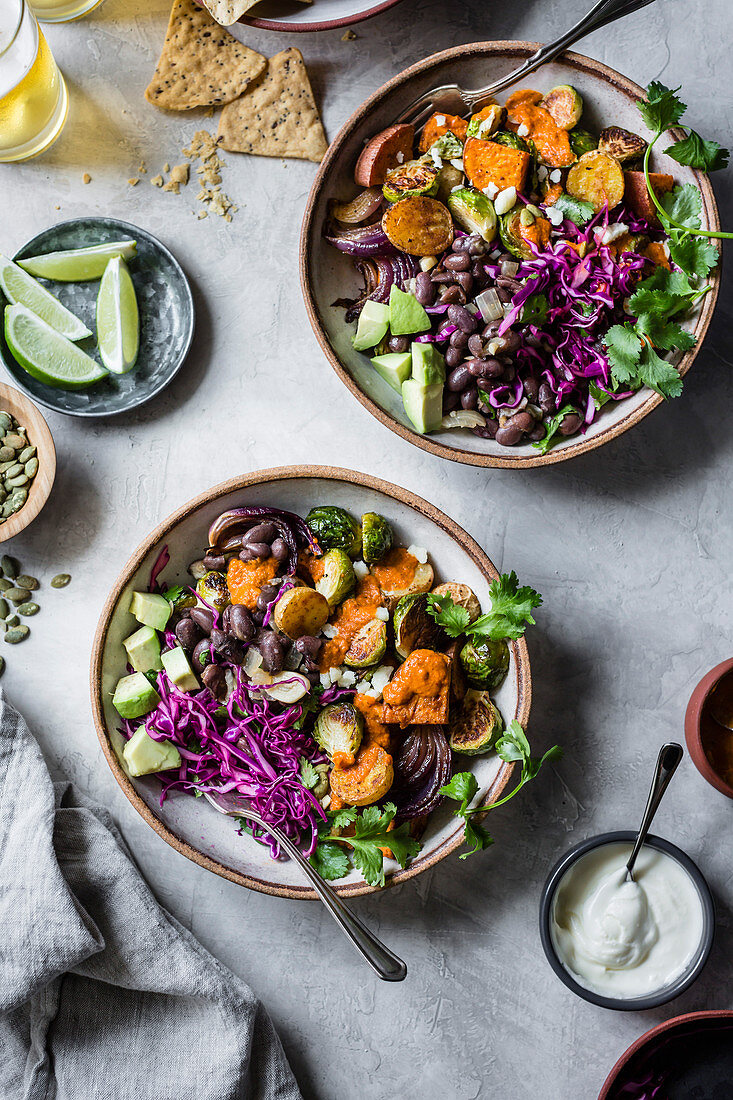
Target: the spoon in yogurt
pixel 668 761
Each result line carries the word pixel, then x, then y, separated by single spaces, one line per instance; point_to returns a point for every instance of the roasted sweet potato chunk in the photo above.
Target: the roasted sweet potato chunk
pixel 382 153
pixel 439 124
pixel 418 691
pixel 487 162
pixel 637 195
pixel 419 225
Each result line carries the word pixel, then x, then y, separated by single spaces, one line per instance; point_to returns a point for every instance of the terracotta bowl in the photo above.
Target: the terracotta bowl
pixel 189 824
pixel 39 436
pixel 699 726
pixel 327 275
pixel 696 1024
pixel 321 15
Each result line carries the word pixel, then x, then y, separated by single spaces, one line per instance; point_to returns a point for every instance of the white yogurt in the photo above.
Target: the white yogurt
pixel 626 939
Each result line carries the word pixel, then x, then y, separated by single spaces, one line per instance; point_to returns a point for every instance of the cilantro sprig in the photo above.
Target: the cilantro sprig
pixel 577 211
pixel 552 427
pixel 510 614
pixel 463 787
pixel 371 833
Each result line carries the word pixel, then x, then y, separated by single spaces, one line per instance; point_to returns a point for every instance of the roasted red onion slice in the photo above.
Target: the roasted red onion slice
pixel 364 240
pixel 422 767
pixel 380 273
pixel 227 531
pixel 359 209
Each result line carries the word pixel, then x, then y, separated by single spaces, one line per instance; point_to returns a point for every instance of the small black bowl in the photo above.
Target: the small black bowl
pixel 680 984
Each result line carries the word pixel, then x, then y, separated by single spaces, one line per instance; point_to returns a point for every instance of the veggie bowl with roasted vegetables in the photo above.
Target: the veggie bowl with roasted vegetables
pixel 359 688
pixel 531 274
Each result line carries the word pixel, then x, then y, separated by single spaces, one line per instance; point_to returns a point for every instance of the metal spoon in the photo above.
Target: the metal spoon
pixel 668 760
pixel 383 962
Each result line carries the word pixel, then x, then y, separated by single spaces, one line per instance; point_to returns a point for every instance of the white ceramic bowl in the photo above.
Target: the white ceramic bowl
pixel 321 15
pixel 191 825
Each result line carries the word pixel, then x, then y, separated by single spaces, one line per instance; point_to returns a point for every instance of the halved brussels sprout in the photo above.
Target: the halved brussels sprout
pixel 510 140
pixel 368 645
pixel 448 178
pixel 321 788
pixel 335 529
pixel 565 104
pixel 416 177
pixel 376 536
pixel 422 581
pixel 485 663
pixel 338 577
pixel 582 141
pixel 448 146
pixel 414 628
pixel 477 725
pixel 486 121
pixel 213 588
pixel 621 144
pixel 462 596
pixel 518 228
pixel 339 729
pixel 473 211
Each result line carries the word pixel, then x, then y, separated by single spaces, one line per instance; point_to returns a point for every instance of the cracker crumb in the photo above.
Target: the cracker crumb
pixel 57 207
pixel 202 214
pixel 348 36
pixel 157 181
pixel 166 167
pixel 86 178
pixel 143 168
pixel 173 187
pixel 179 173
pixel 134 181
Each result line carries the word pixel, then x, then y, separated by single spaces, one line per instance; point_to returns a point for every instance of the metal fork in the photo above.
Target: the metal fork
pixel 383 962
pixel 454 100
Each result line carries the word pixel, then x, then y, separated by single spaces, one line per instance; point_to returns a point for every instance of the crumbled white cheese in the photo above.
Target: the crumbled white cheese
pixel 440 120
pixel 555 175
pixel 400 157
pixel 329 631
pixel 542 172
pixel 347 678
pixel 382 613
pixel 613 232
pixel 428 262
pixel 380 679
pixel 325 680
pixel 505 200
pixel 418 552
pixel 491 190
pixel 334 674
pixel 555 216
pixel 361 569
pixel 458 187
pixel 522 130
pixel 665 249
pixel 458 164
pixel 436 157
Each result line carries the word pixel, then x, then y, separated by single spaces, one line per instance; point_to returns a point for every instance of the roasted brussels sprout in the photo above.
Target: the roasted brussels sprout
pixel 322 786
pixel 448 178
pixel 338 578
pixel 213 589
pixel 622 144
pixel 368 780
pixel 486 122
pixel 477 725
pixel 565 105
pixel 368 645
pixel 414 628
pixel 520 227
pixel 510 140
pixel 462 596
pixel 339 729
pixel 485 663
pixel 582 141
pixel 301 611
pixel 473 211
pixel 376 537
pixel 416 177
pixel 335 529
pixel 448 146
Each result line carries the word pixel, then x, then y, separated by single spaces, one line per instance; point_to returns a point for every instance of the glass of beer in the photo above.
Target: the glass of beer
pixel 62 11
pixel 33 96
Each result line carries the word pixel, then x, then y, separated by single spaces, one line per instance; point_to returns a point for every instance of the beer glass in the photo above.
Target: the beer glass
pixel 33 96
pixel 62 11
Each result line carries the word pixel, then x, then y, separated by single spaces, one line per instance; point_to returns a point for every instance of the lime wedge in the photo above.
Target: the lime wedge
pixel 118 324
pixel 17 286
pixel 78 265
pixel 46 354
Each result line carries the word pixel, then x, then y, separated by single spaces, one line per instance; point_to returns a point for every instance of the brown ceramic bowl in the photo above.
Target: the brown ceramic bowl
pixel 700 727
pixel 39 436
pixel 321 15
pixel 189 824
pixel 327 275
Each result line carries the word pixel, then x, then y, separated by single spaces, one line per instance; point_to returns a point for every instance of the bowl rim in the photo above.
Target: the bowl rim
pixel 309 230
pixel 652 1033
pixel 241 483
pixel 46 451
pixel 680 984
pixel 693 736
pixel 323 25
pixel 126 227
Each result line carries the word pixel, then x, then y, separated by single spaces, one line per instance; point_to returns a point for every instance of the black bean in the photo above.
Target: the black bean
pixel 214 678
pixel 424 290
pixel 459 378
pixel 215 561
pixel 268 592
pixel 492 329
pixel 546 398
pixel 570 424
pixel 259 549
pixel 465 281
pixel 308 645
pixel 237 621
pixel 504 295
pixel 203 618
pixel 477 246
pixel 507 283
pixel 508 437
pixel 489 432
pixel 440 276
pixel 538 432
pixel 459 261
pixel 476 345
pixel 531 388
pixel 201 655
pixel 509 372
pixel 479 272
pixel 458 339
pixel 452 294
pixel 457 315
pixel 510 341
pixel 469 398
pixel 506 258
pixel 402 343
pixel 488 368
pixel 280 549
pixel 261 532
pixel 245 554
pixel 522 420
pixel 188 633
pixel 450 400
pixel 460 244
pixel 271 649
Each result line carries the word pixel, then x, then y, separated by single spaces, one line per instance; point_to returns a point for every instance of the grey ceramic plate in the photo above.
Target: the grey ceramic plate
pixel 166 319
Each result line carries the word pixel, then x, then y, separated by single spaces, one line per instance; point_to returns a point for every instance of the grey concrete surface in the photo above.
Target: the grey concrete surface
pixel 630 545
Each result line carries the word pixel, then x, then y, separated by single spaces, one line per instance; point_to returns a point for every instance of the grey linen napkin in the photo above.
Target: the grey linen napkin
pixel 102 994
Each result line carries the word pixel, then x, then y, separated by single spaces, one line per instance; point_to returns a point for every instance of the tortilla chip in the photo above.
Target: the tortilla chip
pixel 277 116
pixel 200 63
pixel 227 12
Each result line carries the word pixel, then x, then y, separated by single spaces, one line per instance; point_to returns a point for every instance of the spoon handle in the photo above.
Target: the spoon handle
pixel 668 761
pixel 383 962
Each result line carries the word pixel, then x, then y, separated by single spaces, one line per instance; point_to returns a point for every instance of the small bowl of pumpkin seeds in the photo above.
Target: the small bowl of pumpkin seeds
pixel 27 462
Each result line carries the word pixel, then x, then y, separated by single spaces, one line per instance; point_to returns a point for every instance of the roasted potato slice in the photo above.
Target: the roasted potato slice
pixel 367 780
pixel 381 153
pixel 301 611
pixel 419 225
pixel 597 178
pixel 461 595
pixel 621 144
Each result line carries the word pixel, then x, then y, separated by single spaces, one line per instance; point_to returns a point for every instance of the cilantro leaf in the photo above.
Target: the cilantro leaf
pixel 511 609
pixel 535 309
pixel 658 374
pixel 695 151
pixel 552 427
pixel 663 107
pixel 308 775
pixel 372 833
pixel 513 744
pixel 477 836
pixel 577 211
pixel 696 256
pixel 663 333
pixel 451 616
pixel 462 788
pixel 330 860
pixel 623 348
pixel 600 397
pixel 339 819
pixel 683 205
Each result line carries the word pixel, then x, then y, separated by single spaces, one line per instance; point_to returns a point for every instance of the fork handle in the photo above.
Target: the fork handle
pixel 383 962
pixel 602 13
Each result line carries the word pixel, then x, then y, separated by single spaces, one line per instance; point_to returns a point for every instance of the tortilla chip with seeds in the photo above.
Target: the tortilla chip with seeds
pixel 200 63
pixel 277 116
pixel 227 12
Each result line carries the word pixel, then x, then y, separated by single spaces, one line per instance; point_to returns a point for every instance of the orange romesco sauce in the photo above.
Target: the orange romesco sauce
pixel 423 674
pixel 246 578
pixel 375 730
pixel 538 233
pixel 309 566
pixel 523 107
pixel 350 617
pixel 396 570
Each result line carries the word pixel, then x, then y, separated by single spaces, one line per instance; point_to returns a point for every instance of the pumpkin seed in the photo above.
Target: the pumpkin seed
pixel 2 665
pixel 29 608
pixel 5 421
pixel 17 499
pixel 60 580
pixel 17 634
pixel 31 467
pixel 3 494
pixel 11 621
pixel 5 466
pixel 5 584
pixel 4 609
pixel 17 482
pixel 7 454
pixel 26 453
pixel 17 595
pixel 26 581
pixel 9 566
pixel 14 439
pixel 16 468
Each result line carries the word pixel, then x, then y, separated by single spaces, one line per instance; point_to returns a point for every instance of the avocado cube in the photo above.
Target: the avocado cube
pixel 150 609
pixel 134 696
pixel 372 326
pixel 143 754
pixel 428 364
pixel 394 368
pixel 406 315
pixel 143 649
pixel 175 663
pixel 423 404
